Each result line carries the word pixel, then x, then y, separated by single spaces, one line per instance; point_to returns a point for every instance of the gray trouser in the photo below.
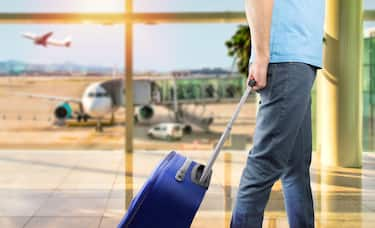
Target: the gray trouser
pixel 282 149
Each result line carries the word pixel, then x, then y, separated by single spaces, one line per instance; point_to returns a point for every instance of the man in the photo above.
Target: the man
pixel 286 52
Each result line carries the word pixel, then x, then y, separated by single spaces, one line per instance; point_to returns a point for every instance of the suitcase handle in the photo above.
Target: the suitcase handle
pixel 226 133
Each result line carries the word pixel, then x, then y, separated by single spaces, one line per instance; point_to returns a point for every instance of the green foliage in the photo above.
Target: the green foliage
pixel 239 47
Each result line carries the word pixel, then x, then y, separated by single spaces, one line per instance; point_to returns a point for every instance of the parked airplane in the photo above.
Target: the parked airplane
pixel 100 99
pixel 45 40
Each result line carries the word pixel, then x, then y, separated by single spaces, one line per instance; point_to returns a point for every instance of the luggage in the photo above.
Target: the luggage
pixel 172 195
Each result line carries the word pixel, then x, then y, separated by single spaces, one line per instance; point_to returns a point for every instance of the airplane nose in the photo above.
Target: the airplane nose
pixel 97 107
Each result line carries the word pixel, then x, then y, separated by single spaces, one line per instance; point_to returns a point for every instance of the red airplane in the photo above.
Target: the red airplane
pixel 45 40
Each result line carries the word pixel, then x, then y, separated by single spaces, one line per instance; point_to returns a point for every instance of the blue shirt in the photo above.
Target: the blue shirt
pixel 297 32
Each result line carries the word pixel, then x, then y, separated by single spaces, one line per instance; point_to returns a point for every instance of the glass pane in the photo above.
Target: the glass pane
pixel 91 44
pixel 198 55
pixel 27 69
pixel 166 48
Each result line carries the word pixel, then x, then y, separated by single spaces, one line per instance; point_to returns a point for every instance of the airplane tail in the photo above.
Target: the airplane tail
pixel 68 42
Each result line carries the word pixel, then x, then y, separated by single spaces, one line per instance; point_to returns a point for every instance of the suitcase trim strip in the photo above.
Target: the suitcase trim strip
pixel 180 175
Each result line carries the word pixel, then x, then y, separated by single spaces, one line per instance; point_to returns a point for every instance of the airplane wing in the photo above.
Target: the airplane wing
pixel 29 36
pixel 51 98
pixel 46 36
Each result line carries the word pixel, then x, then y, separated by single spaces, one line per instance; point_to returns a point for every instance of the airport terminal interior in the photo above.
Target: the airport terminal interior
pixel 76 147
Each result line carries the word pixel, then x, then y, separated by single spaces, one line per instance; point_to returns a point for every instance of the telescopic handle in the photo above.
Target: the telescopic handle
pixel 226 132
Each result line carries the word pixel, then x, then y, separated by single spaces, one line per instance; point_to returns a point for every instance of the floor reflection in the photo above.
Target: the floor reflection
pixel 343 197
pixel 129 185
pixel 94 188
pixel 228 200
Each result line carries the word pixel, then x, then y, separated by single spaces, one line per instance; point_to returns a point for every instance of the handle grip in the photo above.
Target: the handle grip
pixel 251 83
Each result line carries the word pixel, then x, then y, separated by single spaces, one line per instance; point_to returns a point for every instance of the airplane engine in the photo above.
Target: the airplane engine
pixel 63 111
pixel 144 112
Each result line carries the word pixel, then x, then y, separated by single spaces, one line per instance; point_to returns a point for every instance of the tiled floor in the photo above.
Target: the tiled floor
pixel 92 188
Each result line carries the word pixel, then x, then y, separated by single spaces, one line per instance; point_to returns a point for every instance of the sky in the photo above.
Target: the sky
pixel 156 47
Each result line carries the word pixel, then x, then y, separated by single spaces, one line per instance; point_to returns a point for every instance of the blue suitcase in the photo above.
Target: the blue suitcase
pixel 172 195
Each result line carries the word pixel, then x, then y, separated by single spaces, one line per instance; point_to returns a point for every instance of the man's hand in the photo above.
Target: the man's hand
pixel 259 17
pixel 258 72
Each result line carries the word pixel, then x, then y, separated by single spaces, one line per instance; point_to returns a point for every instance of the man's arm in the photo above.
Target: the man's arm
pixel 259 17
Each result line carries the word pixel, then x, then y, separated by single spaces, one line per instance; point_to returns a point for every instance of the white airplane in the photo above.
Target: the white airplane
pixel 100 99
pixel 45 40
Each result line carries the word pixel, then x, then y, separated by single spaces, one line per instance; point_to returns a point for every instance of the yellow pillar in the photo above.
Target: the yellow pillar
pixel 129 80
pixel 129 120
pixel 339 90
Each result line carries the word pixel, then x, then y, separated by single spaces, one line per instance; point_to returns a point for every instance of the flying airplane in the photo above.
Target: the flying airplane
pixel 45 40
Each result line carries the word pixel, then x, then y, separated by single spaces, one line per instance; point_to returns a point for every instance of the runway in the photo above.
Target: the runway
pixel 92 188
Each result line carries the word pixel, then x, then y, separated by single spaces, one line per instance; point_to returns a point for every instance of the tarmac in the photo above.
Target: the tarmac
pixel 29 123
pixel 92 188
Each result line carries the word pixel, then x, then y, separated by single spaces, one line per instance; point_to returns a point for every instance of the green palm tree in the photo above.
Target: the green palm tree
pixel 239 47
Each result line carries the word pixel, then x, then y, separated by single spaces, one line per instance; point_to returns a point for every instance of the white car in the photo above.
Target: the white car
pixel 167 131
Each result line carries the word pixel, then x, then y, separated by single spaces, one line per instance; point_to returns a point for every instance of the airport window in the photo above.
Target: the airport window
pixel 180 47
pixel 63 157
pixel 159 48
pixel 168 49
